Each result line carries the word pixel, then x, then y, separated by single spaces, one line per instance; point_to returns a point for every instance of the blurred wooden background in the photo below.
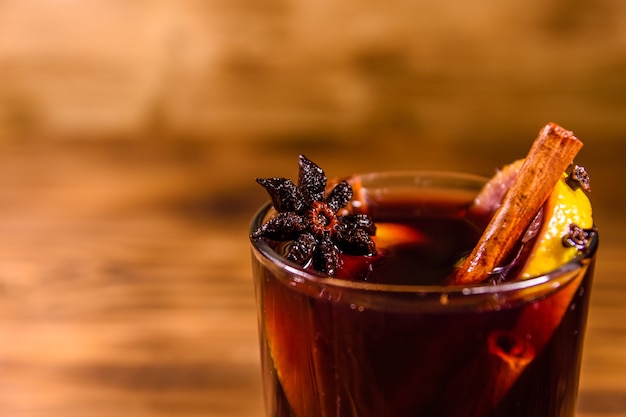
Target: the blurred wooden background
pixel 280 69
pixel 131 133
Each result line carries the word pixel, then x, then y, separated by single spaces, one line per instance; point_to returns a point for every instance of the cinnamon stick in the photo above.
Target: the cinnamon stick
pixel 552 152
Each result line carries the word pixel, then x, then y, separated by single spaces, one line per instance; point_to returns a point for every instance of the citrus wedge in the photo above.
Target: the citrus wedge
pixel 564 207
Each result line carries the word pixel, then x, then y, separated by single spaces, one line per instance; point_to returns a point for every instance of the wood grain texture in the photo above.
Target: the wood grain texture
pixel 115 68
pixel 125 283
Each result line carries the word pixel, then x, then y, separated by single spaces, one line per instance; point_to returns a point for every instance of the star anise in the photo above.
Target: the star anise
pixel 310 220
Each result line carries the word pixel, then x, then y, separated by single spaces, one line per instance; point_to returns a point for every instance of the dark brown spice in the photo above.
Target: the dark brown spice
pixel 578 178
pixel 311 221
pixel 579 238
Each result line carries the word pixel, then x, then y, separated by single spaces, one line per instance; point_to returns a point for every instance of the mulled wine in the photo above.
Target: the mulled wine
pixel 386 336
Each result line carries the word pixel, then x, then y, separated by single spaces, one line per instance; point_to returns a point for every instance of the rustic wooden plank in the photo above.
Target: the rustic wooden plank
pixel 125 284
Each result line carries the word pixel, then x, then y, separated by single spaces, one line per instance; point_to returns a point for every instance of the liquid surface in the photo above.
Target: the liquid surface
pixel 418 241
pixel 328 358
pixel 422 252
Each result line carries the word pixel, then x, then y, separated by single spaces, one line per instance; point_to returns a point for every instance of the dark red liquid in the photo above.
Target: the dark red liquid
pixel 325 355
pixel 424 248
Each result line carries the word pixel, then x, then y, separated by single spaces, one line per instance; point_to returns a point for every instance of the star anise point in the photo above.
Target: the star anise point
pixel 311 220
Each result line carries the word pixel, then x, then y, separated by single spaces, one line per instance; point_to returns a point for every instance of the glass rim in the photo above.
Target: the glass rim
pixel 302 276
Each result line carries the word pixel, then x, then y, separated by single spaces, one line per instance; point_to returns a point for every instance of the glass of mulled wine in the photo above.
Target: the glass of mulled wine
pixel 386 337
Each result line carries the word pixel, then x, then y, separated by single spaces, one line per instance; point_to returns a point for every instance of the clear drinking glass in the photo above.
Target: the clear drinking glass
pixel 332 347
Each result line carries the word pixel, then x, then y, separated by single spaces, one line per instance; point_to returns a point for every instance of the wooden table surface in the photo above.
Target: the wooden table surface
pixel 125 283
